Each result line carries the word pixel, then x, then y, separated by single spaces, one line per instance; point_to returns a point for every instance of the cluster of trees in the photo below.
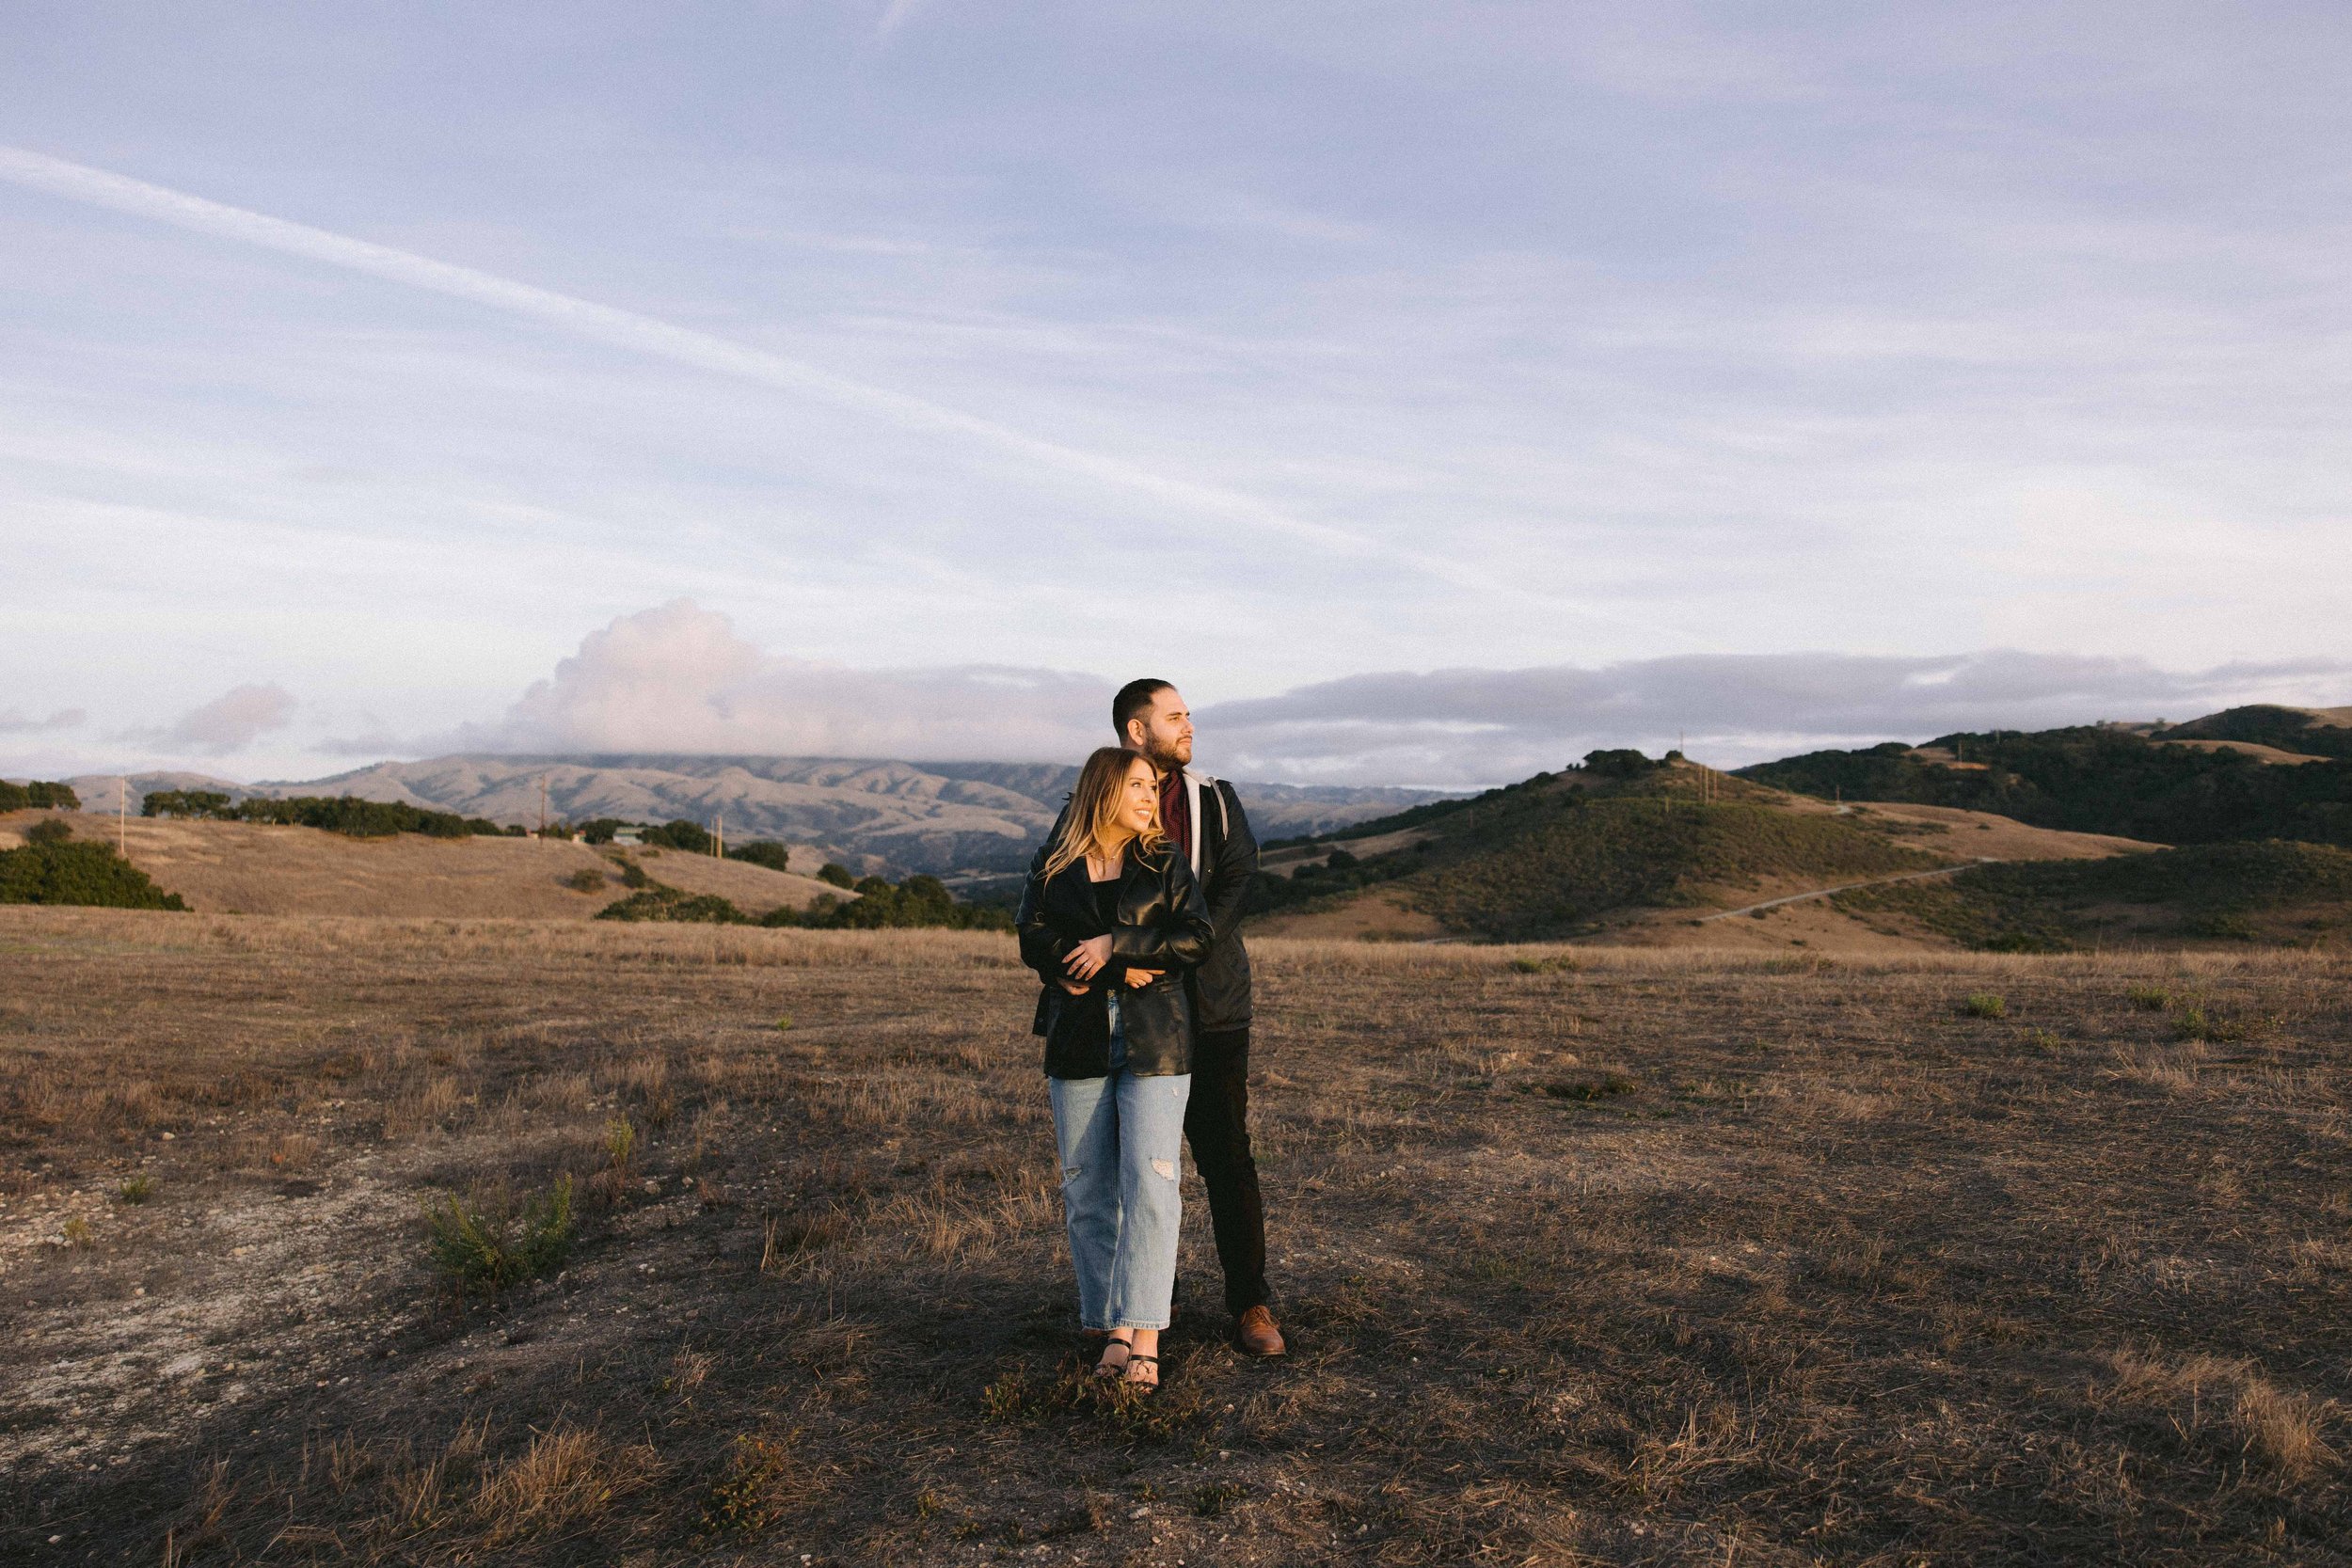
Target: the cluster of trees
pixel 2089 779
pixel 341 814
pixel 38 795
pixel 690 837
pixel 918 901
pixel 54 868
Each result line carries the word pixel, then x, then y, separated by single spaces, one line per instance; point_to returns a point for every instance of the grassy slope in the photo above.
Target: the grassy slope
pixel 2275 889
pixel 246 868
pixel 1558 862
pixel 2092 780
pixel 1549 856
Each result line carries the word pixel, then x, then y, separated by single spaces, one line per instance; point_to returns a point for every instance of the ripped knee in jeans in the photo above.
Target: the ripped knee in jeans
pixel 1071 1173
pixel 1166 1168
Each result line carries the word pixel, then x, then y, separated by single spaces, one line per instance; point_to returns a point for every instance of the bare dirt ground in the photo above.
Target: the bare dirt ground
pixel 1617 1257
pixel 252 868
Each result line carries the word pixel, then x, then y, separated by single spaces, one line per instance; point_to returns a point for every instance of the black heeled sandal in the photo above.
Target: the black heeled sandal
pixel 1133 1382
pixel 1103 1369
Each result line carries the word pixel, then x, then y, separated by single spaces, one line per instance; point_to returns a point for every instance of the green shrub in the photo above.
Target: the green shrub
pixel 661 903
pixel 358 818
pixel 49 829
pixel 835 873
pixel 40 796
pixel 187 803
pixel 586 879
pixel 752 1491
pixel 487 1249
pixel 137 1188
pixel 1984 1005
pixel 85 873
pixel 1607 1085
pixel 2194 1023
pixel 2148 999
pixel 767 852
pixel 1621 763
pixel 688 836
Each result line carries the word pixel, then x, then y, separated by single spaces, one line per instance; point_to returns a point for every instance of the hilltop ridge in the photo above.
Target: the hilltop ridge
pixel 881 815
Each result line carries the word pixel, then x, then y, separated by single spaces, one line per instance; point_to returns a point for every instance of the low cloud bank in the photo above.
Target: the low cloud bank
pixel 678 678
pixel 1464 727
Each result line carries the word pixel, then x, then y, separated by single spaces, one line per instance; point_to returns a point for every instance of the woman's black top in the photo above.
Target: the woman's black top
pixel 1156 919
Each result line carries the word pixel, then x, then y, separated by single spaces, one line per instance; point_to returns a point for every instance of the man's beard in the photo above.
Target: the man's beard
pixel 1163 757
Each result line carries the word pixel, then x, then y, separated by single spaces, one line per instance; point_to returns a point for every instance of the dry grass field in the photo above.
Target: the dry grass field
pixel 250 869
pixel 1617 1257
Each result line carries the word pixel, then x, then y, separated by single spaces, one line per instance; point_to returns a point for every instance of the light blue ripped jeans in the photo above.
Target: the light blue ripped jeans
pixel 1118 1139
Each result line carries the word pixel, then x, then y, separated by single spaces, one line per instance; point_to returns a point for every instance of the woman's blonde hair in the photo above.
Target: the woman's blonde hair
pixel 1093 807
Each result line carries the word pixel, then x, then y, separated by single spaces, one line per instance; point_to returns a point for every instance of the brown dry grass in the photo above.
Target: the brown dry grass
pixel 1662 1258
pixel 249 868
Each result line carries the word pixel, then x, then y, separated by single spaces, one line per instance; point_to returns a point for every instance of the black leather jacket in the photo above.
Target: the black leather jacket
pixel 1219 985
pixel 1163 925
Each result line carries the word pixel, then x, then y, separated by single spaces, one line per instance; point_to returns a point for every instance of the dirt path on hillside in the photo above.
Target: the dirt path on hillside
pixel 1844 887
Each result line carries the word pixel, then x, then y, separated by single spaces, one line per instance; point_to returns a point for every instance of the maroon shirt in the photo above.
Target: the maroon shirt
pixel 1176 813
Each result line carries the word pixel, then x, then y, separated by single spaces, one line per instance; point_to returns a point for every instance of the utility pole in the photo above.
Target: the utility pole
pixel 123 816
pixel 718 836
pixel 543 805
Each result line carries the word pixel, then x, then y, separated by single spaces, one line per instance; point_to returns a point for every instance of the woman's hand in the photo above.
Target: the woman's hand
pixel 1139 978
pixel 1087 960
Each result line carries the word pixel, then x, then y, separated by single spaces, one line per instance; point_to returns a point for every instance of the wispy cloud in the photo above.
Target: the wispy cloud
pixel 704 351
pixel 16 722
pixel 896 15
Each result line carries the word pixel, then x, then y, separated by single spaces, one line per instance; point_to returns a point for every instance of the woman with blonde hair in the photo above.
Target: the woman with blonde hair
pixel 1109 915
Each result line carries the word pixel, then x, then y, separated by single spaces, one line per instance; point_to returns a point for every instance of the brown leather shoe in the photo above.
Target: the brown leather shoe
pixel 1256 1334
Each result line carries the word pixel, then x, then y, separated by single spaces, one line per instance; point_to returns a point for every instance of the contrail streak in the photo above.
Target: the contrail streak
pixel 646 335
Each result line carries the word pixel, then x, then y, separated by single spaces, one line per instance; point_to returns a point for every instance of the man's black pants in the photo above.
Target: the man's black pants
pixel 1217 1124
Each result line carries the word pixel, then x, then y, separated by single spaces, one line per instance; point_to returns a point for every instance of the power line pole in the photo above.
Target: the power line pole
pixel 123 816
pixel 543 805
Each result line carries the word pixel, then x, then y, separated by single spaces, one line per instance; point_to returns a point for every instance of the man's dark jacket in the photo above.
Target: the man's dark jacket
pixel 1162 925
pixel 1224 859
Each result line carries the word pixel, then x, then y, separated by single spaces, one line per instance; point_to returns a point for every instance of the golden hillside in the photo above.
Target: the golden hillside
pixel 249 868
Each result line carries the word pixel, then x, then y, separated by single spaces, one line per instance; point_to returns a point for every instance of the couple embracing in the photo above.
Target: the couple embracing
pixel 1131 917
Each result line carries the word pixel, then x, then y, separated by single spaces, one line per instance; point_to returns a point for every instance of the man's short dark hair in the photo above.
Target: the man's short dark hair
pixel 1134 698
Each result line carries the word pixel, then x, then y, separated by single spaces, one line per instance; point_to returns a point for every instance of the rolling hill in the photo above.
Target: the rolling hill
pixel 1625 851
pixel 2272 890
pixel 2246 774
pixel 882 816
pixel 249 868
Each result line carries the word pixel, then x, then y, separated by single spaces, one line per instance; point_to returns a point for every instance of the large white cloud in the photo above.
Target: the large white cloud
pixel 678 678
pixel 233 721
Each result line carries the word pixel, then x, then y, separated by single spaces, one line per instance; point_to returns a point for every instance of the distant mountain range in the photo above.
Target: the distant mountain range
pixel 943 817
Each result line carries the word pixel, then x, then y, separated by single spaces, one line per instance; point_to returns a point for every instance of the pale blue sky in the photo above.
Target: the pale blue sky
pixel 1264 346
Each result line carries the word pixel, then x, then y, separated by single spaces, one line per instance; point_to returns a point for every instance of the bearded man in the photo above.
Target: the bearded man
pixel 1203 819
